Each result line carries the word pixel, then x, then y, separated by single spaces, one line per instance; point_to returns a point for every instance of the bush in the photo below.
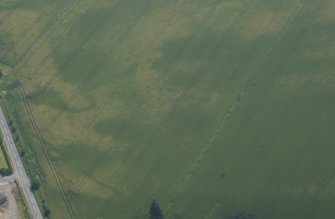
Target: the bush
pixel 35 185
pixel 22 153
pixel 155 211
pixel 6 171
pixel 46 212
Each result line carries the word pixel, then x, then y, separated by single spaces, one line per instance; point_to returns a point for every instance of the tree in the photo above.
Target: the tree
pixel 155 211
pixel 35 185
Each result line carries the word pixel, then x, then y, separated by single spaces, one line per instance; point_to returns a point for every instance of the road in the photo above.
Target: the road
pixel 18 168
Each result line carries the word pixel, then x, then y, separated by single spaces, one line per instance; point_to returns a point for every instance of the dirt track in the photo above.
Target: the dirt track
pixel 9 210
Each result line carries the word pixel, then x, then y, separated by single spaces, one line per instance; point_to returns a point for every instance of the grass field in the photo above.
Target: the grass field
pixel 3 162
pixel 211 107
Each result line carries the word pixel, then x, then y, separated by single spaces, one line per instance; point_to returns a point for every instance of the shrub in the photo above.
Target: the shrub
pixel 6 171
pixel 22 153
pixel 155 211
pixel 35 185
pixel 46 212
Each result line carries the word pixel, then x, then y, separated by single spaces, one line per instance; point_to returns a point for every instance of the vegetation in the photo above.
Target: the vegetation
pixel 3 163
pixel 3 160
pixel 46 210
pixel 212 107
pixel 6 171
pixel 1 74
pixel 35 185
pixel 5 167
pixel 155 211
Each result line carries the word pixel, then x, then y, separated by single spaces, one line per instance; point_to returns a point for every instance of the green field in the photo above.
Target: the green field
pixel 211 107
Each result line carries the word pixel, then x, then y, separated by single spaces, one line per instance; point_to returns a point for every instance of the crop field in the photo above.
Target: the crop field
pixel 214 108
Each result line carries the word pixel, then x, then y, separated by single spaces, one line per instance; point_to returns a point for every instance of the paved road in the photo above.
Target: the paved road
pixel 19 171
